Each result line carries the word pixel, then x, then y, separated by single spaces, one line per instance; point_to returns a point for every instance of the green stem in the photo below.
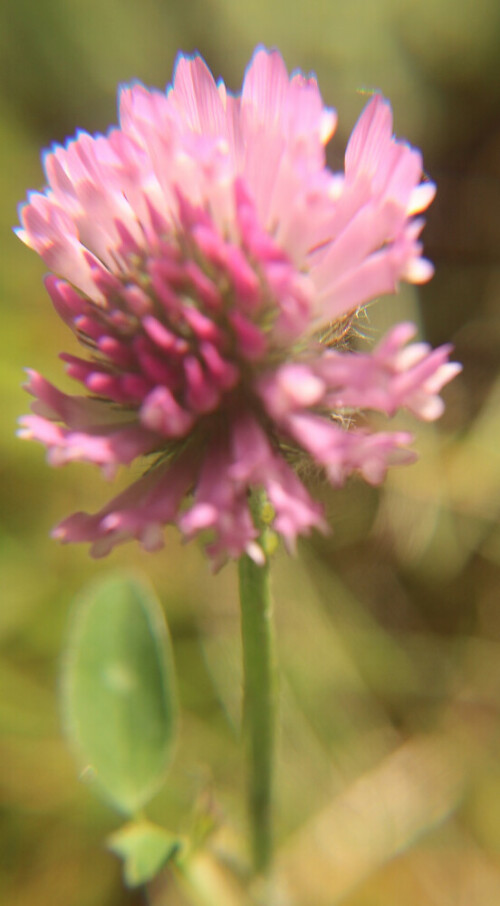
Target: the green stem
pixel 258 705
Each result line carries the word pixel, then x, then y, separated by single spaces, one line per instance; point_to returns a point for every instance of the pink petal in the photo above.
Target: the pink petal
pixel 139 512
pixel 196 97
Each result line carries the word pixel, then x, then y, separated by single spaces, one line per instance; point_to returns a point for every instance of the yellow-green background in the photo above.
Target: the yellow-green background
pixel 388 787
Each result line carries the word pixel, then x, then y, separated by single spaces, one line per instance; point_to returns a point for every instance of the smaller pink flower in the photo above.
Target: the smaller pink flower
pixel 198 251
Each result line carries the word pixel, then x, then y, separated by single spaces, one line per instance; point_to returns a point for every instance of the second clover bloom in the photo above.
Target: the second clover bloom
pixel 199 251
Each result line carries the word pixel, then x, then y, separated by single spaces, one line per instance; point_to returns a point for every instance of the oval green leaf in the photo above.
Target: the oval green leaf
pixel 119 698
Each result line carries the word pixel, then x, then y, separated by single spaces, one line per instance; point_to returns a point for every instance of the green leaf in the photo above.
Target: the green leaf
pixel 145 849
pixel 118 690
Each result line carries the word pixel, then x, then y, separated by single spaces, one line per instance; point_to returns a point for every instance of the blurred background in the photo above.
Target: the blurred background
pixel 388 786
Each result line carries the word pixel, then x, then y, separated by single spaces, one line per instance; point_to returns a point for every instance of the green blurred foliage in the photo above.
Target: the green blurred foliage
pixel 144 848
pixel 389 630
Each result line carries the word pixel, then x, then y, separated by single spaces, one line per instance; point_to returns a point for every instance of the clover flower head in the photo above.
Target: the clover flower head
pixel 205 255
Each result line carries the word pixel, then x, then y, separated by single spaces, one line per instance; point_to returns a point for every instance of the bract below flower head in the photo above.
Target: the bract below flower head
pixel 198 251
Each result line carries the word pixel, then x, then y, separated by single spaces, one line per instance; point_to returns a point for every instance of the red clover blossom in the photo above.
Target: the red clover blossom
pixel 199 251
